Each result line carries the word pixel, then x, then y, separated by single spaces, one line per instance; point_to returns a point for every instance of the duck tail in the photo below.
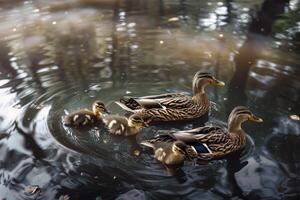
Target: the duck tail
pixel 129 104
pixel 124 107
pixel 147 144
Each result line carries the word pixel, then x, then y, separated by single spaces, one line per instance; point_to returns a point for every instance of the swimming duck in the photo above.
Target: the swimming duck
pixel 213 142
pixel 118 125
pixel 173 106
pixel 85 116
pixel 169 153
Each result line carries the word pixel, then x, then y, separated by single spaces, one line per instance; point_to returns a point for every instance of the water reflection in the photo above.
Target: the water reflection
pixel 61 56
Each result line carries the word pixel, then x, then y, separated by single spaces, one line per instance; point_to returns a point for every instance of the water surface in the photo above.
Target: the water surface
pixel 58 57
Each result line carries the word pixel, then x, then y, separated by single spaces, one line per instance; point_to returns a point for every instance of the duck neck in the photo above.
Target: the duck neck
pixel 199 89
pixel 99 115
pixel 201 97
pixel 234 126
pixel 133 130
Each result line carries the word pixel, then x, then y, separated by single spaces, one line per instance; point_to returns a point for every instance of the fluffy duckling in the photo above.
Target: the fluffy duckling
pixel 170 153
pixel 123 126
pixel 85 116
pixel 174 106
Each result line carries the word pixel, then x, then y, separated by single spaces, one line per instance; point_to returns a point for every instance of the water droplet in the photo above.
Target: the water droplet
pixel 107 60
pixel 134 46
pixel 131 25
pixel 136 152
pixel 122 14
pixel 295 117
pixel 32 189
pixel 173 19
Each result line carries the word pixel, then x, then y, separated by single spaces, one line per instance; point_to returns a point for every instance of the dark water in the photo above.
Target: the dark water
pixel 57 57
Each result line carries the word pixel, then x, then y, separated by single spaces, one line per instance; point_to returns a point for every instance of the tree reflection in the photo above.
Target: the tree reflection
pixel 250 52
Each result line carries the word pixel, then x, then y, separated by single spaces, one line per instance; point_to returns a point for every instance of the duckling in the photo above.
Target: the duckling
pixel 213 142
pixel 170 153
pixel 118 125
pixel 173 106
pixel 85 116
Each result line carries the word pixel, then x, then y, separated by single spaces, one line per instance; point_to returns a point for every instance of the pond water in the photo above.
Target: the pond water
pixel 57 57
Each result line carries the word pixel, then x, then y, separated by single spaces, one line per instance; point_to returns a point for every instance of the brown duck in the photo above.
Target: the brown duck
pixel 212 142
pixel 173 106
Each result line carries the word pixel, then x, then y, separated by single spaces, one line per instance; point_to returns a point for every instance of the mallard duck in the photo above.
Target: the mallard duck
pixel 85 116
pixel 173 106
pixel 169 153
pixel 118 125
pixel 212 142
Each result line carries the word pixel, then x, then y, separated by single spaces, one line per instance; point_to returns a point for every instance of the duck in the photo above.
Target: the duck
pixel 173 106
pixel 213 142
pixel 86 117
pixel 122 126
pixel 169 153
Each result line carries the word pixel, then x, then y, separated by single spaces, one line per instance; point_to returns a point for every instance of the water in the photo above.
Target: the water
pixel 58 57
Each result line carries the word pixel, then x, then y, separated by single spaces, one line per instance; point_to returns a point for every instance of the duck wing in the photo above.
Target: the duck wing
pixel 161 138
pixel 163 101
pixel 190 135
pixel 204 139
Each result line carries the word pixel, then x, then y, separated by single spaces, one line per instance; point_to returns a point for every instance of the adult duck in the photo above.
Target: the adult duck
pixel 173 106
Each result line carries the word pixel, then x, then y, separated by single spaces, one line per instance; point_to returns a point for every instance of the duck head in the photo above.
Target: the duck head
pixel 99 108
pixel 239 115
pixel 203 79
pixel 136 121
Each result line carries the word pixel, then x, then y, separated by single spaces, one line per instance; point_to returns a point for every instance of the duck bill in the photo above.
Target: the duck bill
pixel 256 119
pixel 218 83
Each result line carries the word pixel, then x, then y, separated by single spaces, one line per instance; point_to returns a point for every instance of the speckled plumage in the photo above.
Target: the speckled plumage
pixel 213 142
pixel 173 106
